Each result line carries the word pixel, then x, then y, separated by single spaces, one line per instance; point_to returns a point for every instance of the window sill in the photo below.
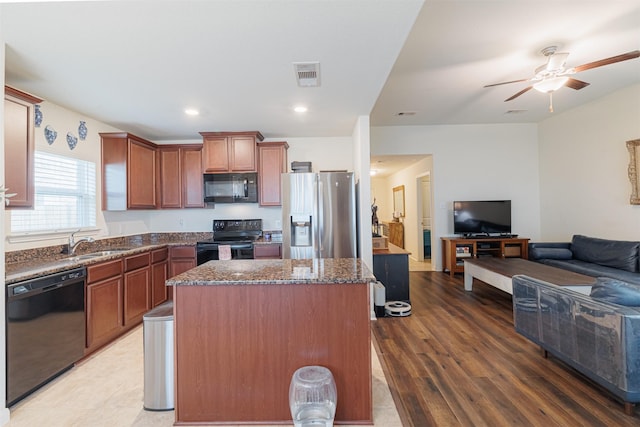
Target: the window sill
pixel 36 236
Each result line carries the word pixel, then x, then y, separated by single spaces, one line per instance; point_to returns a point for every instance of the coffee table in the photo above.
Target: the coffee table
pixel 498 272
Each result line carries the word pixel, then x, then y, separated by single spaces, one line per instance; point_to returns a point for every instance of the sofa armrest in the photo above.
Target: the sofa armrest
pixel 550 250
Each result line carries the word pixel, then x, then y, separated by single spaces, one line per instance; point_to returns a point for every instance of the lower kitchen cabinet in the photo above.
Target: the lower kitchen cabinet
pixel 159 272
pixel 181 259
pixel 267 251
pixel 137 288
pixel 391 267
pixel 120 292
pixel 104 314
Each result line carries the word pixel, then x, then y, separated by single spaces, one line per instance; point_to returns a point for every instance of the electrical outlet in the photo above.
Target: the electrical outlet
pixel 181 222
pixel 278 224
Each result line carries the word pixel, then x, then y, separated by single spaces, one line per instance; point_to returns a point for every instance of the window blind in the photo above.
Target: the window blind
pixel 65 195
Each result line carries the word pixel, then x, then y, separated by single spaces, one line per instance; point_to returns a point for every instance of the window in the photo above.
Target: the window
pixel 65 195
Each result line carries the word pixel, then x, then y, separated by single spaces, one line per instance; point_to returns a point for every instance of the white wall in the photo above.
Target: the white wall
pixel 335 153
pixel 362 156
pixel 472 162
pixel 584 184
pixel 381 192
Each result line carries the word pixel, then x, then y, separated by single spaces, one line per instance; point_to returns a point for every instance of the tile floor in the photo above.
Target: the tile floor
pixel 107 390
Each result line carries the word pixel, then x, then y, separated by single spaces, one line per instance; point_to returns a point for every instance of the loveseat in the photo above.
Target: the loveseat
pixel 591 256
pixel 597 334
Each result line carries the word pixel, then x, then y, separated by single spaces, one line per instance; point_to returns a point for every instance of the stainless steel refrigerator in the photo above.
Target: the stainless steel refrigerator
pixel 319 215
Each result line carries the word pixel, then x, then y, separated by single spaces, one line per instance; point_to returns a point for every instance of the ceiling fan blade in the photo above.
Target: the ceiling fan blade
pixel 519 93
pixel 619 58
pixel 506 83
pixel 576 84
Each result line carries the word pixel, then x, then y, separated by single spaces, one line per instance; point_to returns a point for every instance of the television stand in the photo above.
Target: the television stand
pixel 488 236
pixel 456 249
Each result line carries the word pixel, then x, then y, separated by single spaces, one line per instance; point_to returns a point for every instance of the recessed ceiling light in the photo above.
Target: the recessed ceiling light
pixel 300 109
pixel 372 172
pixel 191 112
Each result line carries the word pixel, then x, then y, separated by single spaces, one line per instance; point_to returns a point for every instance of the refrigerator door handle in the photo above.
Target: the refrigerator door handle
pixel 321 218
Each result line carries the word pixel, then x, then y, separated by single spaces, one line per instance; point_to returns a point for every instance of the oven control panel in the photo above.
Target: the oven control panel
pixel 237 225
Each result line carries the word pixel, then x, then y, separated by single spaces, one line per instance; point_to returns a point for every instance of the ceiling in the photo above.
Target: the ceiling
pixel 136 65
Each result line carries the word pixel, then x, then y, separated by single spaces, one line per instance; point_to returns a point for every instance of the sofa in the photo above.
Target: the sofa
pixel 591 256
pixel 597 334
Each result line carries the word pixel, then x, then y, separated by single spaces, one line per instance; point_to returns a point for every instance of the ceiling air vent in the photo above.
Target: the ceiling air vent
pixel 307 73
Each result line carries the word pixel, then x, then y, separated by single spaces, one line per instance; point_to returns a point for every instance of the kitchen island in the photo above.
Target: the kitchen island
pixel 243 327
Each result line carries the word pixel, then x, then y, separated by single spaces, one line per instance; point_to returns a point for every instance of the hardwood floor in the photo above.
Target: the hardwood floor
pixel 457 360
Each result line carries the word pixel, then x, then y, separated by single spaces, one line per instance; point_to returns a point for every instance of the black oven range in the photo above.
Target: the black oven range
pixel 239 234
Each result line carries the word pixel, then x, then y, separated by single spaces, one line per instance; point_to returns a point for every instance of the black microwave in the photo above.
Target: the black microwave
pixel 231 187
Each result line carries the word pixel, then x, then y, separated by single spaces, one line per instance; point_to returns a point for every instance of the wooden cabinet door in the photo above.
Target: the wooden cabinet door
pixel 170 178
pixel 192 184
pixel 137 298
pixel 104 311
pixel 180 265
pixel 393 272
pixel 18 151
pixel 159 272
pixel 273 162
pixel 267 251
pixel 242 154
pixel 182 258
pixel 215 154
pixel 114 171
pixel 141 176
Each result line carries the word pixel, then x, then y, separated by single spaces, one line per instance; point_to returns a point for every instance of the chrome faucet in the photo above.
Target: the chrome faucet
pixel 73 244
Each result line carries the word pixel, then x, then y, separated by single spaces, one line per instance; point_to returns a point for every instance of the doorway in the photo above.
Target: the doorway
pixel 424 215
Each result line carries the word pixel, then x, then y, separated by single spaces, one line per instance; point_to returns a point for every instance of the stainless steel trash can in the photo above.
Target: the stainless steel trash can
pixel 158 358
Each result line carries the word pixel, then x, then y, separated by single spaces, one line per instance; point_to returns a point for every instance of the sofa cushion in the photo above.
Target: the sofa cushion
pixel 616 291
pixel 610 253
pixel 594 270
pixel 550 253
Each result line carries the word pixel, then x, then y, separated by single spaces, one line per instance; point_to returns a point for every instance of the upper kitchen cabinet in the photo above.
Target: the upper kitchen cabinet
pixel 181 176
pixel 272 157
pixel 224 152
pixel 129 172
pixel 19 143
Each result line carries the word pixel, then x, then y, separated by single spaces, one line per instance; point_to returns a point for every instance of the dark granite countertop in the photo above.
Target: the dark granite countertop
pixel 276 271
pixel 30 263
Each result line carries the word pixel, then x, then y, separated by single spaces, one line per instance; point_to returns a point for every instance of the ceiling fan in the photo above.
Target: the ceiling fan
pixel 553 75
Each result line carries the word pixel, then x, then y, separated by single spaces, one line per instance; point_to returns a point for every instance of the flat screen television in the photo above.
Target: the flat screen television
pixel 482 217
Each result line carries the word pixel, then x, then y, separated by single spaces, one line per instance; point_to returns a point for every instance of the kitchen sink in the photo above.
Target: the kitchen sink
pixel 96 254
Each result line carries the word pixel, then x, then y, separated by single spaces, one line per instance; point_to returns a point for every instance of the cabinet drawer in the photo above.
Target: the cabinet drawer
pixel 159 255
pixel 104 270
pixel 136 261
pixel 267 251
pixel 183 252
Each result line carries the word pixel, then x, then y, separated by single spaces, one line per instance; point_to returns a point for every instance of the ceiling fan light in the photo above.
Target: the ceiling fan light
pixel 550 84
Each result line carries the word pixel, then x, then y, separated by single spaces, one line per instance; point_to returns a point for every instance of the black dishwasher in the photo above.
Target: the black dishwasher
pixel 45 330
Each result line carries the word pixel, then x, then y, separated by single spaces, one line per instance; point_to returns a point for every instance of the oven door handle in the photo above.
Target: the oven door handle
pixel 243 246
